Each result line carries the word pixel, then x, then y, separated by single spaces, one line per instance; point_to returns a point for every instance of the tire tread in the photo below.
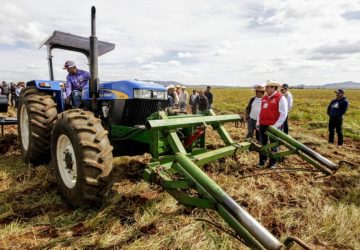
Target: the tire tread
pixel 42 114
pixel 96 153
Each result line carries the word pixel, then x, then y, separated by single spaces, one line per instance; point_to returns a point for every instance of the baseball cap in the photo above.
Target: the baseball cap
pixel 285 86
pixel 69 64
pixel 339 91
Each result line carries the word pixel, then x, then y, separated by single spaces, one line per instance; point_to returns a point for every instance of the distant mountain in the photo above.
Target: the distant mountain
pixel 164 83
pixel 338 85
pixel 342 85
pixel 194 86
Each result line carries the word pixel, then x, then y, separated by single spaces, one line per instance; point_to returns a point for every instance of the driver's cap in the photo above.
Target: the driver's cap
pixel 69 64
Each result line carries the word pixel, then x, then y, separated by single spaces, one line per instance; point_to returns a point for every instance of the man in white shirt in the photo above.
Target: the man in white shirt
pixel 253 110
pixel 273 112
pixel 183 97
pixel 285 91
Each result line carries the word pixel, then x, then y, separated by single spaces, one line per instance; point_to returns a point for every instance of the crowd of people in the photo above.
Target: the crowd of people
pixel 199 101
pixel 271 106
pixel 11 91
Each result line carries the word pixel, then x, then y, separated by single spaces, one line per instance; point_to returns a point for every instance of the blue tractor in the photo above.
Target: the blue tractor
pixel 77 140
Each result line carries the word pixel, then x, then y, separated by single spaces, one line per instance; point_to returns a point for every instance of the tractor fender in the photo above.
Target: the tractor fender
pixel 56 88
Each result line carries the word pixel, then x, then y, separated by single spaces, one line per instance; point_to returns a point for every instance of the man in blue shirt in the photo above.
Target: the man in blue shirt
pixel 76 80
pixel 209 96
pixel 336 110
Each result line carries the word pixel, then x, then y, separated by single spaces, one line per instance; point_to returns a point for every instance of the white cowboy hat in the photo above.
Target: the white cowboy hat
pixel 259 87
pixel 271 83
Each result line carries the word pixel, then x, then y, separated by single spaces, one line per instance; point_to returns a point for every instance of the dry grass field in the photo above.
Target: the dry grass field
pixel 325 212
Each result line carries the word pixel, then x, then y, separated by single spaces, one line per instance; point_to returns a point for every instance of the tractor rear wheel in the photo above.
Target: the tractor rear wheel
pixel 36 116
pixel 82 158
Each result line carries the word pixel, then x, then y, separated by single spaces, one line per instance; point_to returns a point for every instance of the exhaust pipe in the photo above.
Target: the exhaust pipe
pixel 94 79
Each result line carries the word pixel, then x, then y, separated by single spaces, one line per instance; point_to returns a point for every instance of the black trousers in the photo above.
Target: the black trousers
pixel 264 139
pixel 13 99
pixel 251 129
pixel 194 109
pixel 286 126
pixel 335 123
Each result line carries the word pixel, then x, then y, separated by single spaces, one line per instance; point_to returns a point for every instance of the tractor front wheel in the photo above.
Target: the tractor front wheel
pixel 82 158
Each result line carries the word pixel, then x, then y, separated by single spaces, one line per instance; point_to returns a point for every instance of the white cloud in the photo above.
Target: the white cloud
pixel 184 55
pixel 156 64
pixel 149 53
pixel 223 52
pixel 17 26
pixel 149 66
pixel 204 41
pixel 174 63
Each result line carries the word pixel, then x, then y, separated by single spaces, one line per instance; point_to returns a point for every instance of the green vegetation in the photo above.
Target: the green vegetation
pixel 309 110
pixel 325 212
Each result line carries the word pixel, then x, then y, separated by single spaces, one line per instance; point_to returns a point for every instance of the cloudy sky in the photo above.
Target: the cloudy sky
pixel 228 42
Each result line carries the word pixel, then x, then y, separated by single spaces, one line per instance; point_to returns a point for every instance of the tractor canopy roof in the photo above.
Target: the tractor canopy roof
pixel 67 41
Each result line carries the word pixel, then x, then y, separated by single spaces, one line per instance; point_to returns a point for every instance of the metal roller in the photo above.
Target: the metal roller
pixel 256 230
pixel 309 152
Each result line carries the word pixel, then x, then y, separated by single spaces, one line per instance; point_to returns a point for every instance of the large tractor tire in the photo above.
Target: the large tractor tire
pixel 36 116
pixel 82 158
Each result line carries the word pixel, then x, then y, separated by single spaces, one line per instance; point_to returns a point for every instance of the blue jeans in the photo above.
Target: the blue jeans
pixel 76 98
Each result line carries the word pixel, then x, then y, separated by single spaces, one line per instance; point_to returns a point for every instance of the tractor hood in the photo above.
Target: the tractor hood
pixel 125 89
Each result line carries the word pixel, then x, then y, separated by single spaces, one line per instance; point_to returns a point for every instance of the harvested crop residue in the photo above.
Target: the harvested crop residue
pixel 324 212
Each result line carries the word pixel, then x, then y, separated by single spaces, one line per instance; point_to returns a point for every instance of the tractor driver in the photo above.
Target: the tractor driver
pixel 76 80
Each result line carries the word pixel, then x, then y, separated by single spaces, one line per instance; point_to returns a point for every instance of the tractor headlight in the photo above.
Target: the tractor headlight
pixel 142 93
pixel 159 94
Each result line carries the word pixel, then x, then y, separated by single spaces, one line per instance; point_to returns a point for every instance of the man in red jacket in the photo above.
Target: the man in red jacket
pixel 273 112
